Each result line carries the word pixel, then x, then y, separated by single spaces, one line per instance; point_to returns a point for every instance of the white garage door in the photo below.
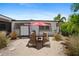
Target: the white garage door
pixel 24 30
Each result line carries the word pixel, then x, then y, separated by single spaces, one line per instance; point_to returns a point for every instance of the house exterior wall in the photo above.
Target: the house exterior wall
pixel 53 27
pixel 15 25
pixel 17 30
pixel 5 26
pixel 5 23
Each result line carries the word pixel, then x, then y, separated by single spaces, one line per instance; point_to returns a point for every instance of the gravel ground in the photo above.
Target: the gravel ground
pixel 18 48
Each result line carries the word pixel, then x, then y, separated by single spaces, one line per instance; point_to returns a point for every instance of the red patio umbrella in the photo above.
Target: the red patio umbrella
pixel 39 24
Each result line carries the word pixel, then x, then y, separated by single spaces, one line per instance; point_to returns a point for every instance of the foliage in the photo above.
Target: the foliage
pixel 72 46
pixel 59 18
pixel 13 35
pixel 72 26
pixel 74 18
pixel 3 40
pixel 64 29
pixel 74 21
pixel 75 7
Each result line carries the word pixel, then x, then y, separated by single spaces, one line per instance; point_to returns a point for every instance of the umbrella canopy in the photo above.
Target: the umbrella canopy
pixel 39 24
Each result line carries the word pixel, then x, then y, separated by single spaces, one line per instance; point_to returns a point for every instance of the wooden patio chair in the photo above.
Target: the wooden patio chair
pixel 45 38
pixel 32 41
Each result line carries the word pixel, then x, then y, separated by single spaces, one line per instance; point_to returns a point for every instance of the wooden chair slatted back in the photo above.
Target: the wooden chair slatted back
pixel 45 37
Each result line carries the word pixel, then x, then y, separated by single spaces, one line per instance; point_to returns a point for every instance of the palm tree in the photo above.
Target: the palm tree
pixel 60 20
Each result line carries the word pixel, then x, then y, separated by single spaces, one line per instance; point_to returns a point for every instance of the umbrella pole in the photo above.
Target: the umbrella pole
pixel 39 33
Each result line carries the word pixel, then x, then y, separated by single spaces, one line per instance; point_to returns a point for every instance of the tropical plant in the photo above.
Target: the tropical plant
pixel 75 7
pixel 71 26
pixel 64 29
pixel 74 21
pixel 59 18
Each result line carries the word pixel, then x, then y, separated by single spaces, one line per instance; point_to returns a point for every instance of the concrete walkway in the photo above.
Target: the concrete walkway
pixel 18 48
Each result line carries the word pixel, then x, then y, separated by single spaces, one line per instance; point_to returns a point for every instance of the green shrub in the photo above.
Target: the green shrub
pixel 72 46
pixel 58 37
pixel 66 28
pixel 3 40
pixel 71 26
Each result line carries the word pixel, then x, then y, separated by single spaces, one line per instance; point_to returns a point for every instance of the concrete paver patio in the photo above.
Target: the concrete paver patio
pixel 18 48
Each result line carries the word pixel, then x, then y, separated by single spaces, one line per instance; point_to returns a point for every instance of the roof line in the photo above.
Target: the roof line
pixel 37 20
pixel 6 16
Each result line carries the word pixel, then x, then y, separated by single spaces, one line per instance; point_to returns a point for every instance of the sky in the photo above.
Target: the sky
pixel 35 11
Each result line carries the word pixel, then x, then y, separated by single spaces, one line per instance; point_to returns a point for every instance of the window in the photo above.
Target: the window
pixel 2 27
pixel 44 28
